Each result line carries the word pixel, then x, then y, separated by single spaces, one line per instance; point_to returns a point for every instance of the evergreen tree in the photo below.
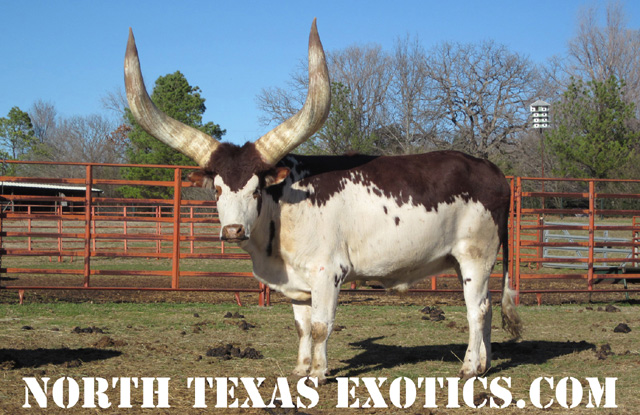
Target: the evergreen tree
pixel 17 139
pixel 340 133
pixel 174 96
pixel 16 134
pixel 592 136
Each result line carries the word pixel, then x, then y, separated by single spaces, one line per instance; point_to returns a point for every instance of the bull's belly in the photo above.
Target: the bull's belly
pixel 402 245
pixel 400 263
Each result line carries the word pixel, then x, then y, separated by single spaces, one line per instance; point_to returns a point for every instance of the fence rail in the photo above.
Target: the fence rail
pixel 44 236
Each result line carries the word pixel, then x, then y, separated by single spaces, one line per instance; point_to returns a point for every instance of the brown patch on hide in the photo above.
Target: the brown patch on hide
pixel 299 329
pixel 426 180
pixel 235 164
pixel 319 332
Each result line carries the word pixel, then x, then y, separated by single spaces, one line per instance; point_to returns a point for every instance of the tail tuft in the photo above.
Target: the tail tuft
pixel 510 319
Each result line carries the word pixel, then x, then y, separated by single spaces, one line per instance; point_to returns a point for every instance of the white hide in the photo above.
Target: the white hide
pixel 237 207
pixel 353 229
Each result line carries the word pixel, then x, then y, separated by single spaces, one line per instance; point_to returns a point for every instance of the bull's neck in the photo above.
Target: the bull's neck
pixel 263 232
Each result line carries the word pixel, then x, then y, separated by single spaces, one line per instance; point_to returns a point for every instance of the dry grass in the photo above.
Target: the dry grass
pixel 171 340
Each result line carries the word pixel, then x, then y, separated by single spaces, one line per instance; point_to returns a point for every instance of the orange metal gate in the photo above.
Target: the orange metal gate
pixel 596 210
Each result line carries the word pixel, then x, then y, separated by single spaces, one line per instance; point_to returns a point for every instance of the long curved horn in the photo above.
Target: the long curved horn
pixel 274 145
pixel 190 141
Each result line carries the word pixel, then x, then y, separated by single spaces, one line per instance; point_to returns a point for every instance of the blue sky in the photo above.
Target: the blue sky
pixel 70 53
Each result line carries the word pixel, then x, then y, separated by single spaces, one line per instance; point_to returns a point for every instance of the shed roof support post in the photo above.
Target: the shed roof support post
pixel 87 225
pixel 177 201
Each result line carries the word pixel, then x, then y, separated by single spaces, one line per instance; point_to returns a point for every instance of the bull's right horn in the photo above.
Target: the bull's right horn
pixel 190 141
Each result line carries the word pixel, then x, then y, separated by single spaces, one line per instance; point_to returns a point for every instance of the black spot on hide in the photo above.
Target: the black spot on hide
pixel 339 279
pixel 272 235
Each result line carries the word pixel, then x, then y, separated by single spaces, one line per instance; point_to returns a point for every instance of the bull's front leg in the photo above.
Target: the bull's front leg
pixel 302 315
pixel 324 300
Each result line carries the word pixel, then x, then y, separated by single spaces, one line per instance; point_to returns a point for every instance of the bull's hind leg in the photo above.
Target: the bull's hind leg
pixel 474 274
pixel 302 315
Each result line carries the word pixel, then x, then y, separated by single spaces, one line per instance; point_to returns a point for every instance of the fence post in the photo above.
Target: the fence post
pixel 516 273
pixel 125 228
pixel 1 241
pixel 635 239
pixel 87 226
pixel 592 216
pixel 94 231
pixel 191 230
pixel 158 230
pixel 59 212
pixel 512 240
pixel 177 199
pixel 540 231
pixel 29 228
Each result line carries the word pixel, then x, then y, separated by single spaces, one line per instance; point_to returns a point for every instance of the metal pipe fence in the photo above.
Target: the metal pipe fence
pixel 595 210
pixel 65 242
pixel 90 227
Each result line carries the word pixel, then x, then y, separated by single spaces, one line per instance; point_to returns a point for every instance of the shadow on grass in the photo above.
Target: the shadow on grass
pixel 376 356
pixel 20 358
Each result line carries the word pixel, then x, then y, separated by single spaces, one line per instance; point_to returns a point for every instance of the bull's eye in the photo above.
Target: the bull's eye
pixel 256 193
pixel 218 191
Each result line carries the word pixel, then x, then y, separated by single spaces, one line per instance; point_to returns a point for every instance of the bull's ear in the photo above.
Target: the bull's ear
pixel 276 176
pixel 201 178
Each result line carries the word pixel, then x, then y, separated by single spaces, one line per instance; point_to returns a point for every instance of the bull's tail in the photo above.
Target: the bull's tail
pixel 510 319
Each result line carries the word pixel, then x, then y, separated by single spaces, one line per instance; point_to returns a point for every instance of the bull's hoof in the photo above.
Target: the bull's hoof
pixel 300 372
pixel 466 373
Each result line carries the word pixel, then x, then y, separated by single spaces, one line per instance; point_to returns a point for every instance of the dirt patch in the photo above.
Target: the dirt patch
pixel 242 324
pixel 604 352
pixel 88 330
pixel 106 341
pixel 432 313
pixel 622 328
pixel 229 351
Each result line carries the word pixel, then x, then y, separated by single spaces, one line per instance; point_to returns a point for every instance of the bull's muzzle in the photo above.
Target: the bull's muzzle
pixel 233 233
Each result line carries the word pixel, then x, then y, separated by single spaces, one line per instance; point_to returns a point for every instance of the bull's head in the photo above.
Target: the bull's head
pixel 238 175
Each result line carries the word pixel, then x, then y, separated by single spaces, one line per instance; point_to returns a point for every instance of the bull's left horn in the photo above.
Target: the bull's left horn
pixel 190 141
pixel 278 142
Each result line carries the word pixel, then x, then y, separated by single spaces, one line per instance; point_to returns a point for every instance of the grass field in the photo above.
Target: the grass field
pixel 171 340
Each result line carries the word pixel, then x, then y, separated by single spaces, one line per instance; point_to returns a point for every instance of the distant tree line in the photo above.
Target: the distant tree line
pixel 475 97
pixel 472 97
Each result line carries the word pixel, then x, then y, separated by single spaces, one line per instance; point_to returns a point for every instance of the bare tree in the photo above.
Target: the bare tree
pixel 363 71
pixel 410 120
pixel 86 139
pixel 470 97
pixel 479 93
pixel 598 53
pixel 115 101
pixel 43 117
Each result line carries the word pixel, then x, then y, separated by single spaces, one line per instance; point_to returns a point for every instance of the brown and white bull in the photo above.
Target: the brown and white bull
pixel 312 223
